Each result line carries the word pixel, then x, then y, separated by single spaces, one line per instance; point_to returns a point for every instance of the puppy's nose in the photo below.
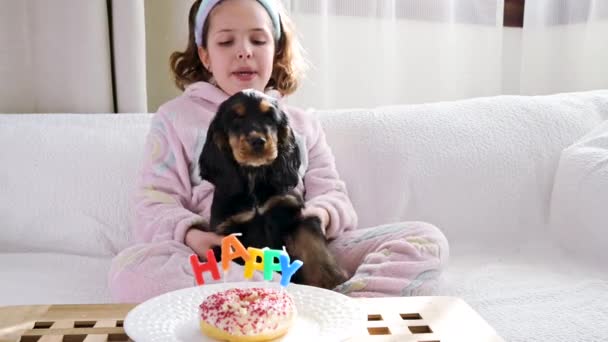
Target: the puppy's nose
pixel 257 143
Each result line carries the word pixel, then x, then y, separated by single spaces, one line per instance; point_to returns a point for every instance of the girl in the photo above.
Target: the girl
pixel 235 45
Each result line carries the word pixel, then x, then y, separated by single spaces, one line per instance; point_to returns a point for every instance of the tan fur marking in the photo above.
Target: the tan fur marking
pixel 245 156
pixel 236 219
pixel 265 106
pixel 235 145
pixel 274 200
pixel 218 138
pixel 240 109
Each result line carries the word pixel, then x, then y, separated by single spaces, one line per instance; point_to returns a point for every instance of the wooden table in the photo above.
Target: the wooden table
pixel 403 319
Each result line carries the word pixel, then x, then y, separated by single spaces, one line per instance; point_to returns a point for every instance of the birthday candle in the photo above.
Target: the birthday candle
pixel 253 263
pixel 287 269
pixel 209 266
pixel 269 262
pixel 230 243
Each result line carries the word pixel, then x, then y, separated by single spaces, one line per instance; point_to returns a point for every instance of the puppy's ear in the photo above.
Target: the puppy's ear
pixel 285 168
pixel 213 156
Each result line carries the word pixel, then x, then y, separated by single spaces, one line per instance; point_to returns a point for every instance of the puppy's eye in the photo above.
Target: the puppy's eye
pixel 237 123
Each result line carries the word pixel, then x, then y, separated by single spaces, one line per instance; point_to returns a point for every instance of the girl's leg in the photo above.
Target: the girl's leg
pixel 147 270
pixel 399 259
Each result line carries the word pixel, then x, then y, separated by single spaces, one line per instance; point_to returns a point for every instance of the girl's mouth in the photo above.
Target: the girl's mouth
pixel 244 75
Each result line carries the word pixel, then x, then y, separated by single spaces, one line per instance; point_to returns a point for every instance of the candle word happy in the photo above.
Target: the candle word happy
pixel 265 260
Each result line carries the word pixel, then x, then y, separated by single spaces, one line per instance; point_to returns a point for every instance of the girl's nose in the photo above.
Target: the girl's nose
pixel 244 51
pixel 244 54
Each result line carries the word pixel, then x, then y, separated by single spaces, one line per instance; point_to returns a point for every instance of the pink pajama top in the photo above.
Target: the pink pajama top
pixel 170 196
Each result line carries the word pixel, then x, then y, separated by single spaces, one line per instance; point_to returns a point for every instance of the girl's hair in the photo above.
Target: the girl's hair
pixel 288 65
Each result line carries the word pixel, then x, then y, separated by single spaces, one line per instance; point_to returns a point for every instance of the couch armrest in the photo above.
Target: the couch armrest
pixel 579 215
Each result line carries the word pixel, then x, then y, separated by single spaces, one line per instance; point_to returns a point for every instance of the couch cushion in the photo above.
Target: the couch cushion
pixel 536 295
pixel 579 212
pixel 480 169
pixel 66 181
pixel 53 278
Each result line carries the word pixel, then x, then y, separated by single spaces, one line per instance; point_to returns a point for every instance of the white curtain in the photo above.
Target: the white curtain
pixel 368 53
pixel 565 46
pixel 57 56
pixel 379 52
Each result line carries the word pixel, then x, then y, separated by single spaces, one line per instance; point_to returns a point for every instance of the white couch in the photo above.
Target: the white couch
pixel 518 184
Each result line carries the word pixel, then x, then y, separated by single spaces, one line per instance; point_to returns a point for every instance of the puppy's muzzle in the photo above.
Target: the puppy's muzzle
pixel 257 143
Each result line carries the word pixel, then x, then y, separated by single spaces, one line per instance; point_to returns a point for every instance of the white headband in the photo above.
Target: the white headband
pixel 207 5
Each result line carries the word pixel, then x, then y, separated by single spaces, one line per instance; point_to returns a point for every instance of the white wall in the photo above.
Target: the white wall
pixel 166 31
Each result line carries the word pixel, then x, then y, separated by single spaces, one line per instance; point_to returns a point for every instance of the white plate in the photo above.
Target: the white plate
pixel 322 314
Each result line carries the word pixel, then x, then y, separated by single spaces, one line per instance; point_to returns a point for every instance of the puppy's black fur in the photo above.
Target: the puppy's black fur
pixel 251 157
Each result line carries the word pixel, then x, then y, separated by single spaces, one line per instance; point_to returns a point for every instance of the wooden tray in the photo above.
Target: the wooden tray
pixel 404 319
pixel 69 323
pixel 423 319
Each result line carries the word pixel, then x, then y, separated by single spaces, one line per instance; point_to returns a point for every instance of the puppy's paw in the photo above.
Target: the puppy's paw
pixel 328 276
pixel 320 268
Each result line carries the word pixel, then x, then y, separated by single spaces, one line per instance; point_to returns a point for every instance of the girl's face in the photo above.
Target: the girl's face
pixel 240 46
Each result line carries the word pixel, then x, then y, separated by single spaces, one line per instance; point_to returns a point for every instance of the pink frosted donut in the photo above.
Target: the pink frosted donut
pixel 249 314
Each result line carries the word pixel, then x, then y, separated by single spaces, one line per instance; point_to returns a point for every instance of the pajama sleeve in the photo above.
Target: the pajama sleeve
pixel 163 195
pixel 323 186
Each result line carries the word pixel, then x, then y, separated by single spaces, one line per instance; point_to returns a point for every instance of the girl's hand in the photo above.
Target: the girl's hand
pixel 321 213
pixel 200 241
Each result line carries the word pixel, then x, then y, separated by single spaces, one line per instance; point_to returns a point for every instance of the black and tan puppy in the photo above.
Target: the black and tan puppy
pixel 251 157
